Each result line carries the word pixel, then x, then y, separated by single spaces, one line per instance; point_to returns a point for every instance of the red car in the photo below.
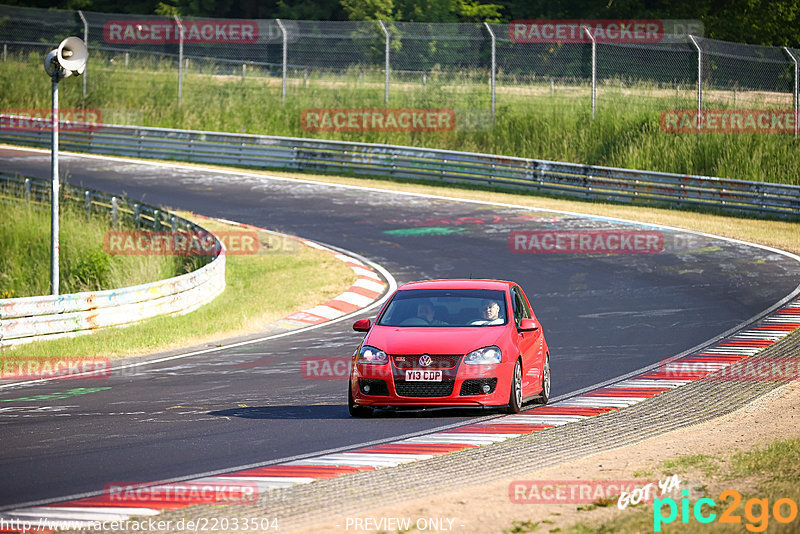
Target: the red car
pixel 465 343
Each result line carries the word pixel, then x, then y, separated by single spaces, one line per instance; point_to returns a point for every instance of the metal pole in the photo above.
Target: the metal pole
pixel 180 57
pixel 494 63
pixel 54 192
pixel 386 35
pixel 699 77
pixel 283 83
pixel 795 88
pixel 85 40
pixel 594 68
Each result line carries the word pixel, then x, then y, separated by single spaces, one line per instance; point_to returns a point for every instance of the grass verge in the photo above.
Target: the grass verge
pixel 260 288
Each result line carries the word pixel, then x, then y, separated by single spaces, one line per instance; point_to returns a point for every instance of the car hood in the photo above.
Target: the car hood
pixel 433 340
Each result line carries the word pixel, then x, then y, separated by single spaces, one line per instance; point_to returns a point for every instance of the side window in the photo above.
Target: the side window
pixel 515 304
pixel 521 309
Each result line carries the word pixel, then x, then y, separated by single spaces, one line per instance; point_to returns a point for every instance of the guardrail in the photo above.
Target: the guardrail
pixel 289 153
pixel 46 317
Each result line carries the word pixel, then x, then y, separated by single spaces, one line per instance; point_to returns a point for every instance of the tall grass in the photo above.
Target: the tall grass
pixel 84 265
pixel 531 121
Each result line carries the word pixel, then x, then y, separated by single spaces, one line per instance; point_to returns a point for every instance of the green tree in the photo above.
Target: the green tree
pixel 369 9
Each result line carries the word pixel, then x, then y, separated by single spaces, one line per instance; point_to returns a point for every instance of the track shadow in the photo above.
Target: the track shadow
pixel 314 411
pixel 334 411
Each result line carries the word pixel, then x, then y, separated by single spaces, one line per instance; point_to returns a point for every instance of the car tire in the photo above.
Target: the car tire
pixel 354 409
pixel 515 393
pixel 544 398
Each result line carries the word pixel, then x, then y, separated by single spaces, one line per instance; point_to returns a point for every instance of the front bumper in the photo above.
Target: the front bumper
pixel 463 385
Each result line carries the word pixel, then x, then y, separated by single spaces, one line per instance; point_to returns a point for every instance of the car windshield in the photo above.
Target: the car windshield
pixel 446 308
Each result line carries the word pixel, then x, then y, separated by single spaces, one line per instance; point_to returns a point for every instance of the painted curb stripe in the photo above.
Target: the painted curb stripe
pixel 501 428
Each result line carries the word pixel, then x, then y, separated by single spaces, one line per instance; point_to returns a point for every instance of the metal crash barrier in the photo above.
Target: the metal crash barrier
pixel 298 154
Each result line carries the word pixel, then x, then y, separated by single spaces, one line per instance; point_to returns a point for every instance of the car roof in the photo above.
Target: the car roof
pixel 457 284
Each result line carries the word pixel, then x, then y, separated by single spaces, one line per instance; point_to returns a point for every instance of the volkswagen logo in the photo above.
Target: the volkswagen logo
pixel 425 360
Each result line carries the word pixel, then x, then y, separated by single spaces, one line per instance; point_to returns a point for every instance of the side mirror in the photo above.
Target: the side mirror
pixel 528 325
pixel 362 325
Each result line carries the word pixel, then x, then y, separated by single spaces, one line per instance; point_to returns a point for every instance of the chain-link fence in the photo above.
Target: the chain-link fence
pixel 410 64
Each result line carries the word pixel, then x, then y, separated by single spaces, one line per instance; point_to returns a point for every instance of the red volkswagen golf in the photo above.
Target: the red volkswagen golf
pixel 451 343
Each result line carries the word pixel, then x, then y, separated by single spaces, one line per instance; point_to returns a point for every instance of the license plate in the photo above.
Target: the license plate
pixel 417 375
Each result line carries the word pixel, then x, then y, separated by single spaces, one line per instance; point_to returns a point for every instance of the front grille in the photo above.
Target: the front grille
pixel 474 386
pixel 424 389
pixel 438 361
pixel 376 387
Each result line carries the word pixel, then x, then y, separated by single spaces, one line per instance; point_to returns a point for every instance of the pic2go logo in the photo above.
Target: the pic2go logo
pixel 756 511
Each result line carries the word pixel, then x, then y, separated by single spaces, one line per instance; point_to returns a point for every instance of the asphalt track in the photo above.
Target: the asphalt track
pixel 604 316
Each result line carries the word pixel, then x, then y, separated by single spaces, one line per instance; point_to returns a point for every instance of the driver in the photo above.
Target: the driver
pixel 425 312
pixel 490 313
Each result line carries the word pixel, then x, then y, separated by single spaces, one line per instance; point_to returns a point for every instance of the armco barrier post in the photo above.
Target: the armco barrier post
pixel 494 64
pixel 283 61
pixel 387 37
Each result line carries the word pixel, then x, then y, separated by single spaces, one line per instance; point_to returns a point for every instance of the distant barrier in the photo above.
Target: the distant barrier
pixel 551 177
pixel 45 317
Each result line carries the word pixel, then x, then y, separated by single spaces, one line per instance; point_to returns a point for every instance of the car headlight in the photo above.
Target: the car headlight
pixel 369 354
pixel 484 356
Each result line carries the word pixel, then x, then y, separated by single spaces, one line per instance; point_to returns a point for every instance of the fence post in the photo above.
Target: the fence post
pixel 85 40
pixel 180 57
pixel 795 88
pixel 87 196
pixel 283 61
pixel 54 196
pixel 114 212
pixel 27 190
pixel 594 68
pixel 386 35
pixel 494 63
pixel 699 77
